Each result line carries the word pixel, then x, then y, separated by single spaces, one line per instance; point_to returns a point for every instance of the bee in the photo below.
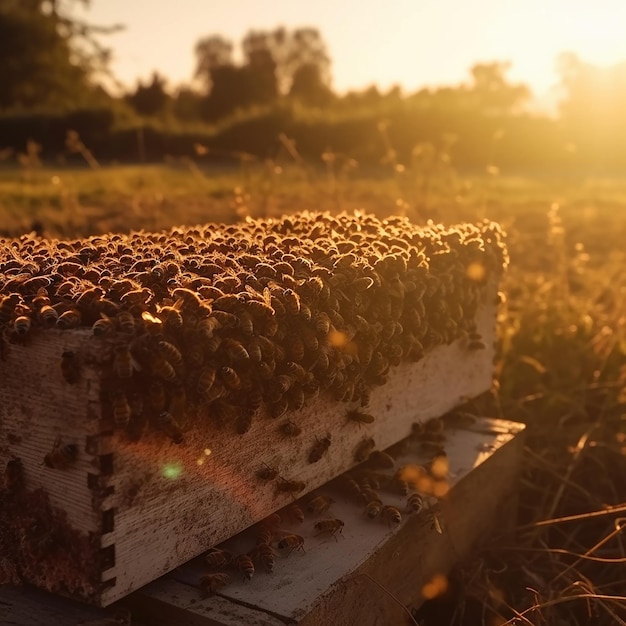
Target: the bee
pixel 206 378
pixel 265 554
pixel 230 377
pixel 102 327
pixel 216 557
pixel 170 352
pixel 169 426
pixel 271 521
pixel 171 317
pixel 122 362
pixel 121 409
pixel 415 503
pixel 89 297
pixel 61 456
pixel 125 322
pixel 13 475
pixel 48 316
pixel 245 565
pixel 278 408
pixel 295 513
pixel 321 323
pixel 235 350
pixel 291 300
pixel 264 535
pixel 225 320
pixel 360 417
pixel 69 319
pixel 373 508
pixel 162 367
pixel 319 504
pixel 364 449
pixel 210 583
pixel 319 449
pixel 267 472
pixel 246 323
pixel 350 487
pixel 290 486
pixel 331 526
pixel 290 428
pixel 291 543
pixel 380 460
pixel 70 367
pixel 391 514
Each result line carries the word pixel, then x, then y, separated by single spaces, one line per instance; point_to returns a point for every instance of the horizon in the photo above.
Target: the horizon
pixel 411 52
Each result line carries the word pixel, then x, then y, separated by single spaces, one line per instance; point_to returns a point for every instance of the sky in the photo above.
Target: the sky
pixel 413 43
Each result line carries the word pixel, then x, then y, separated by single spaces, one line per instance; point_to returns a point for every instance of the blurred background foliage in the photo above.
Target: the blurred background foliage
pixel 54 77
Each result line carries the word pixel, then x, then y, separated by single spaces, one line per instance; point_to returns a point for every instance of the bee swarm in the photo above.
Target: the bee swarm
pixel 217 334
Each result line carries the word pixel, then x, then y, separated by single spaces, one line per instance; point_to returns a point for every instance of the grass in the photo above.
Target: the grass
pixel 561 364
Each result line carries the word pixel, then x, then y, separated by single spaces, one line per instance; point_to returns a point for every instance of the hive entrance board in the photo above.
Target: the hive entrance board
pixel 341 581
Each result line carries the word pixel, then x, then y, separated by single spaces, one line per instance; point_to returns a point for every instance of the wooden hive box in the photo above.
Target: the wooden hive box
pixel 91 512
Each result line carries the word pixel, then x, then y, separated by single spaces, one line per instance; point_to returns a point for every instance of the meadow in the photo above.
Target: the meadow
pixel 561 359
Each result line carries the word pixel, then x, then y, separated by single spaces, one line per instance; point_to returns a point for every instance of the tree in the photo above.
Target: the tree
pixel 212 52
pixel 44 58
pixel 492 93
pixel 151 98
pixel 308 85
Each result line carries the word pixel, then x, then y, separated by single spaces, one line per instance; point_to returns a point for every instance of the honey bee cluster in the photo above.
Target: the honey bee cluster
pixel 215 322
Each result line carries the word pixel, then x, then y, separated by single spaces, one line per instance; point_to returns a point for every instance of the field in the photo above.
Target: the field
pixel 561 364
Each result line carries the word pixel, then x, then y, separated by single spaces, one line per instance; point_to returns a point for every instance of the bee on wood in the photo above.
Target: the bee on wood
pixel 122 362
pixel 373 508
pixel 380 460
pixel 48 316
pixel 319 504
pixel 13 475
pixel 319 449
pixel 69 319
pixel 290 486
pixel 125 322
pixel 245 565
pixel 360 417
pixel 291 543
pixel 290 428
pixel 121 409
pixel 363 450
pixel 415 503
pixel 216 557
pixel 210 583
pixel 391 514
pixel 265 554
pixel 70 367
pixel 330 526
pixel 267 472
pixel 167 424
pixel 103 326
pixel 61 456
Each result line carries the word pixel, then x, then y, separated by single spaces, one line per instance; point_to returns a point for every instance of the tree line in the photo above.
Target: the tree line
pixel 53 66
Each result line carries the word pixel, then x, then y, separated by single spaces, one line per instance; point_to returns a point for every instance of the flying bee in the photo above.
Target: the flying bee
pixel 415 503
pixel 391 514
pixel 170 352
pixel 122 361
pixel 265 554
pixel 70 367
pixel 364 449
pixel 360 417
pixel 216 557
pixel 290 486
pixel 319 449
pixel 330 526
pixel 267 472
pixel 103 326
pixel 380 460
pixel 121 409
pixel 48 316
pixel 230 377
pixel 169 426
pixel 210 583
pixel 291 543
pixel 290 428
pixel 125 322
pixel 61 456
pixel 245 565
pixel 69 319
pixel 319 504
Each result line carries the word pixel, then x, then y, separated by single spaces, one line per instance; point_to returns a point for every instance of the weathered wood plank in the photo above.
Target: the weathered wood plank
pixel 346 581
